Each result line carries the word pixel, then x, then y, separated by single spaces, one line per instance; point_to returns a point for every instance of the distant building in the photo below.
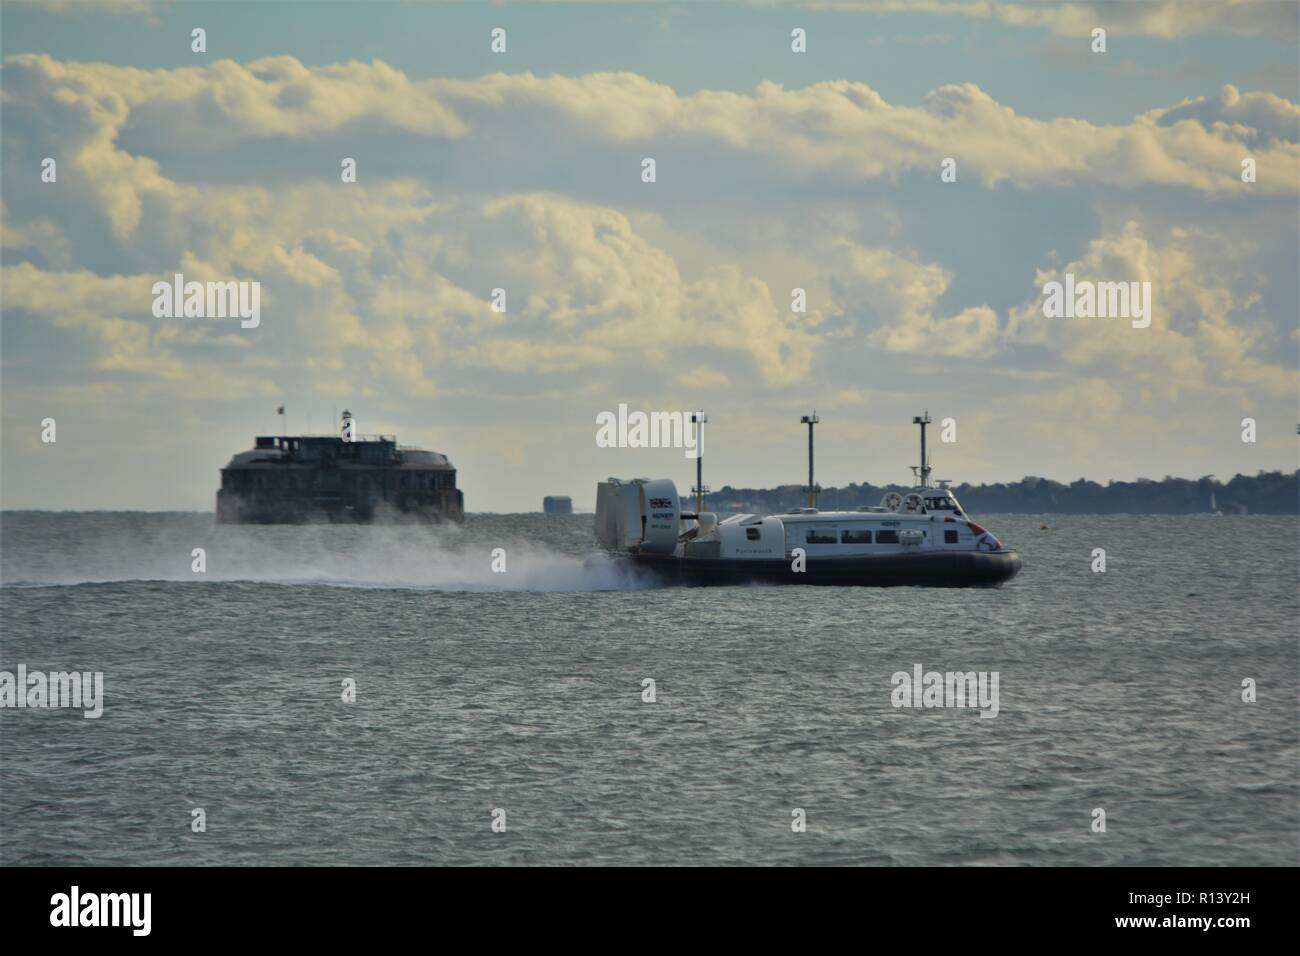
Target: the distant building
pixel 557 505
pixel 308 478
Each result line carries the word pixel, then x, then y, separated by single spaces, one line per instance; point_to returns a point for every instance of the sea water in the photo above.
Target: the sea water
pixel 567 712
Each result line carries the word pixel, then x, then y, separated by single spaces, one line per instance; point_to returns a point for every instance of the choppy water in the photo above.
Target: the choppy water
pixel 523 691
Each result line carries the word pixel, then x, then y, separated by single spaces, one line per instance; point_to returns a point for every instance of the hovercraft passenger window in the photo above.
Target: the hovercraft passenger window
pixel 950 537
pixel 820 537
pixel 887 536
pixel 753 534
pixel 862 536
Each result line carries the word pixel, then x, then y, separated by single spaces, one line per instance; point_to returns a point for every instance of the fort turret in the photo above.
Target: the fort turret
pixel 292 479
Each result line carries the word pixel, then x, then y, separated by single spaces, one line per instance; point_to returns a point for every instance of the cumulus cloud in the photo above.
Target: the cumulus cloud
pixel 904 296
pixel 834 131
pixel 381 289
pixel 106 314
pixel 378 288
pixel 1258 119
pixel 1202 338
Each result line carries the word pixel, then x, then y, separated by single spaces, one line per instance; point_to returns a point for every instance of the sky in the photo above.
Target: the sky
pixel 522 170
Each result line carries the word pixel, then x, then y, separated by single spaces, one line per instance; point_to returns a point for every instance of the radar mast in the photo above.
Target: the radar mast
pixel 922 471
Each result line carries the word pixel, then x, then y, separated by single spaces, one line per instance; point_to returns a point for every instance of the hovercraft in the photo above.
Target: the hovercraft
pixel 920 538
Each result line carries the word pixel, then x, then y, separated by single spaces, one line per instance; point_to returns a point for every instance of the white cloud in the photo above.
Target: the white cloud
pixel 587 290
pixel 1253 118
pixel 905 296
pixel 380 290
pixel 1200 339
pixel 831 132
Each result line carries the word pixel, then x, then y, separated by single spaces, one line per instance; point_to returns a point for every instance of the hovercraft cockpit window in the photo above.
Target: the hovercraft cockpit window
pixel 941 504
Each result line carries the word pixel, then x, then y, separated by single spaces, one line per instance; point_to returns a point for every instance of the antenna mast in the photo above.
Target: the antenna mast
pixel 812 489
pixel 700 489
pixel 923 472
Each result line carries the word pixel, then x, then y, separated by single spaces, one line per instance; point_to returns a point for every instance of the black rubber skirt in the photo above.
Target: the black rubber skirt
pixel 933 569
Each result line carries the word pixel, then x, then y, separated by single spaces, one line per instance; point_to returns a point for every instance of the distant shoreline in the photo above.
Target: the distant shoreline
pixel 1267 493
pixel 587 514
pixel 1274 492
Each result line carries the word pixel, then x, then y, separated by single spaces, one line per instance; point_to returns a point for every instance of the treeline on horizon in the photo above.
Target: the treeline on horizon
pixel 1269 492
